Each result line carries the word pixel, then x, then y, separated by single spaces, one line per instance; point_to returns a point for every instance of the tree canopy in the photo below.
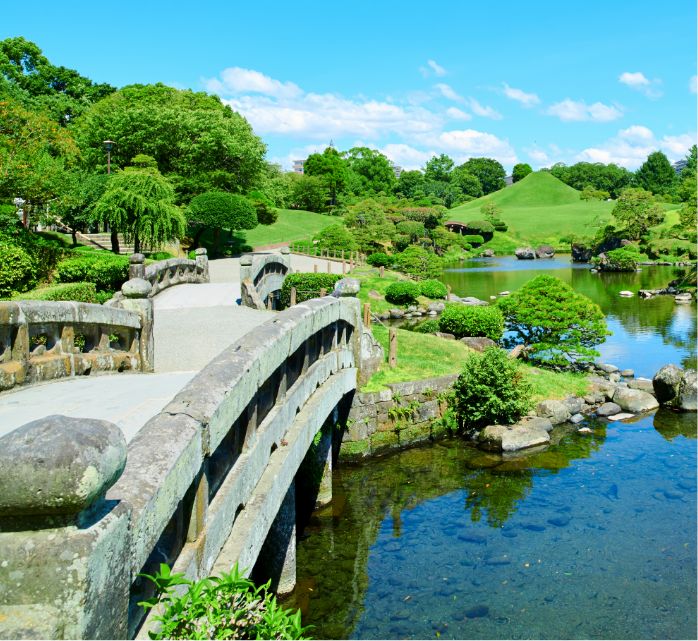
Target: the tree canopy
pixel 332 168
pixel 521 171
pixel 637 211
pixel 219 210
pixel 489 172
pixel 553 322
pixel 656 174
pixel 198 143
pixel 372 168
pixel 610 178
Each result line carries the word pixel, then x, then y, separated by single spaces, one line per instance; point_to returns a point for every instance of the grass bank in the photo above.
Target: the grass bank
pixel 292 225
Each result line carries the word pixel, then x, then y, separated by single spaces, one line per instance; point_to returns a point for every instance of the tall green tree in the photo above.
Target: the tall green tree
pixel 309 193
pixel 332 168
pixel 139 202
pixel 75 208
pixel 656 174
pixel 438 168
pixel 610 178
pixel 199 143
pixel 521 170
pixel 468 183
pixel 410 184
pixel 636 211
pixel 488 171
pixel 373 170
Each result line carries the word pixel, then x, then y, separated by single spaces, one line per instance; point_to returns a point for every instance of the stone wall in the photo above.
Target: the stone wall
pixel 400 416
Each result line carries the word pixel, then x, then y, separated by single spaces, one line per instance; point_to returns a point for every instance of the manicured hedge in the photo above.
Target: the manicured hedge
pixel 474 239
pixel 433 289
pixel 307 286
pixel 472 320
pixel 81 292
pixel 107 271
pixel 402 293
pixel 379 259
pixel 428 326
pixel 480 228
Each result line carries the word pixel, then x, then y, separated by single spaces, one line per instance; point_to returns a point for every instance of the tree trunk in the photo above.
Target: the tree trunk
pixel 114 241
pixel 136 244
pixel 197 236
pixel 74 234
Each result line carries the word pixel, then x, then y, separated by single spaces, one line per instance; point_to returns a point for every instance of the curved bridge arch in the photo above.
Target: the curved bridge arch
pixel 262 276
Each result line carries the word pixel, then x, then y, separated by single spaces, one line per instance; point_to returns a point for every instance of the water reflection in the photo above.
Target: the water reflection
pixel 647 334
pixel 592 538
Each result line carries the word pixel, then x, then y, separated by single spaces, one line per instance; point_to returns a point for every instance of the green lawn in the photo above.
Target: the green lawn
pixel 425 356
pixel 371 281
pixel 291 225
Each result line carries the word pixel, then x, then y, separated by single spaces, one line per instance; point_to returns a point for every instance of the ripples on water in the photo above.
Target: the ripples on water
pixel 593 538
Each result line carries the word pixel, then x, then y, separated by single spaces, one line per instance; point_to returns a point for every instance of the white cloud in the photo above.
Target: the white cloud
pixel 576 111
pixel 468 143
pixel 448 92
pixel 639 82
pixel 432 68
pixel 526 99
pixel 630 147
pixel 481 110
pixel 693 84
pixel 236 80
pixel 538 155
pixel 457 114
pixel 406 156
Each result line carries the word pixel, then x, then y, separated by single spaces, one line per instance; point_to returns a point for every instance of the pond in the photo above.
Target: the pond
pixel 647 334
pixel 593 538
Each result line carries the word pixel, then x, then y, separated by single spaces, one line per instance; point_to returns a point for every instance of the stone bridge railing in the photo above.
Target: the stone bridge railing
pixel 206 483
pixel 261 275
pixel 41 340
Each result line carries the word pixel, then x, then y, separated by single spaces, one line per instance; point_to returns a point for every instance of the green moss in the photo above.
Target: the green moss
pixel 382 441
pixel 354 450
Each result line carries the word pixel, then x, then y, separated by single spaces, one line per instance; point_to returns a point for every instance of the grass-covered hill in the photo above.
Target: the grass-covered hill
pixel 292 224
pixel 538 209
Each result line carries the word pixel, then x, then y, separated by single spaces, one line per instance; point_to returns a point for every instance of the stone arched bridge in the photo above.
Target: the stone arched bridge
pixel 212 479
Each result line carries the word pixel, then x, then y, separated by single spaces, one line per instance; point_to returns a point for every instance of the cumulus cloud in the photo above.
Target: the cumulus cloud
pixel 526 99
pixel 538 155
pixel 406 156
pixel 468 143
pixel 693 84
pixel 481 110
pixel 448 92
pixel 630 147
pixel 577 111
pixel 458 114
pixel 639 82
pixel 236 80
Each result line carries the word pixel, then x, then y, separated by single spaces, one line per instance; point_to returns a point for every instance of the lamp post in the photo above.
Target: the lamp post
pixel 108 144
pixel 21 212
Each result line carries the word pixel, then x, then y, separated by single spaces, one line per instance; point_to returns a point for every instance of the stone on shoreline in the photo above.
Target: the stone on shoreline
pixel 634 400
pixel 608 409
pixel 510 438
pixel 525 253
pixel 478 343
pixel 556 411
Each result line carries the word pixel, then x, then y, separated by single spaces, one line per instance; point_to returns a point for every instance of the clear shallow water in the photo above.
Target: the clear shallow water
pixel 647 334
pixel 593 538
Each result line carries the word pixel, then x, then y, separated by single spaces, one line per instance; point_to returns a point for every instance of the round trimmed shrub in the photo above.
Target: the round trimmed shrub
pixel 472 320
pixel 16 270
pixel 473 239
pixel 433 288
pixel 491 390
pixel 379 259
pixel 480 228
pixel 402 293
pixel 428 326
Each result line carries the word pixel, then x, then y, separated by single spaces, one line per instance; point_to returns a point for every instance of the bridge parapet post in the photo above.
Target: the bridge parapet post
pixel 64 548
pixel 136 298
pixel 136 266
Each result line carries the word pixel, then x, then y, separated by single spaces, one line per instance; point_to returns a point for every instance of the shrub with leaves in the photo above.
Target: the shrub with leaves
pixel 480 228
pixel 419 263
pixel 379 259
pixel 491 390
pixel 81 292
pixel 623 259
pixel 107 271
pixel 472 320
pixel 16 270
pixel 433 288
pixel 307 286
pixel 474 239
pixel 336 238
pixel 428 326
pixel 226 607
pixel 402 292
pixel 555 324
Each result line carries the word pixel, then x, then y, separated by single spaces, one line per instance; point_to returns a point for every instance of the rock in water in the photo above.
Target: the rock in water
pixel 545 251
pixel 510 438
pixel 667 382
pixel 556 411
pixel 477 612
pixel 634 400
pixel 525 253
pixel 626 294
pixel 608 409
pixel 688 391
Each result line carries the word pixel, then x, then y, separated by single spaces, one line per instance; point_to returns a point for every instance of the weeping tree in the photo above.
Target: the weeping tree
pixel 139 202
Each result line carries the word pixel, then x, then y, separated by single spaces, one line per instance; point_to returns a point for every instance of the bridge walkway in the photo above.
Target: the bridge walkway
pixel 193 323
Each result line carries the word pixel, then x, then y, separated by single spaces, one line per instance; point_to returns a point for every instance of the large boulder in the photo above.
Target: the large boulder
pixel 666 383
pixel 545 251
pixel 471 300
pixel 634 400
pixel 644 384
pixel 688 401
pixel 478 343
pixel 346 287
pixel 525 253
pixel 556 411
pixel 487 253
pixel 608 409
pixel 581 253
pixel 510 438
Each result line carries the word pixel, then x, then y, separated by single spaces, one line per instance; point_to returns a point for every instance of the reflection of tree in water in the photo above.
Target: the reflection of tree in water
pixel 496 485
pixel 672 424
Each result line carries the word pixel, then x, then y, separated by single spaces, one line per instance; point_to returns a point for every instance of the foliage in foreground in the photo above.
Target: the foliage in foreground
pixel 225 607
pixel 492 389
pixel 554 323
pixel 81 292
pixel 402 292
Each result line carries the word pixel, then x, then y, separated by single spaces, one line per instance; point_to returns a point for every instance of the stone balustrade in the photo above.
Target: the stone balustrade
pixel 42 340
pixel 261 275
pixel 207 483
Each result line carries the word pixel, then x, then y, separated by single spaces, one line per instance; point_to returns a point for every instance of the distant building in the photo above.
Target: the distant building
pixel 298 166
pixel 397 170
pixel 509 180
pixel 680 165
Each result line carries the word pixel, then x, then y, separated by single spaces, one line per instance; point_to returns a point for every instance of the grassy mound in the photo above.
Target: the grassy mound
pixel 292 224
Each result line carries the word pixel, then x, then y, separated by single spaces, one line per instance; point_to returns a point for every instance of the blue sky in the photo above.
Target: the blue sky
pixel 537 82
